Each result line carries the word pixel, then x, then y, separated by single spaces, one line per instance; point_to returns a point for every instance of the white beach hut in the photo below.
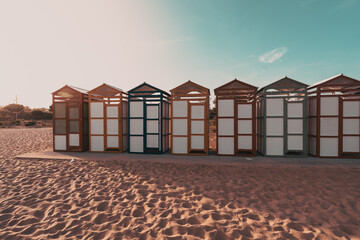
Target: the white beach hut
pixel 108 119
pixel 281 118
pixel 236 119
pixel 148 119
pixel 70 119
pixel 190 119
pixel 334 117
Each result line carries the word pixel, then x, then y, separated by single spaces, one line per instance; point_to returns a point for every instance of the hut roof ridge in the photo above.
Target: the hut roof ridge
pixel 285 78
pixel 191 83
pixel 328 80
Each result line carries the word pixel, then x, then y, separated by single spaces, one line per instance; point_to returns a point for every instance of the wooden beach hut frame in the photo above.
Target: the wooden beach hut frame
pixel 190 119
pixel 334 118
pixel 149 120
pixel 282 119
pixel 108 119
pixel 236 119
pixel 70 119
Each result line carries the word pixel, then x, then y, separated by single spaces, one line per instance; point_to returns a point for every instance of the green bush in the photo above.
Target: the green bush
pixel 29 124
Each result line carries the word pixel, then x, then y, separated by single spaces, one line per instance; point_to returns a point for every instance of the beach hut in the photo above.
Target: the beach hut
pixel 281 118
pixel 70 119
pixel 236 119
pixel 334 117
pixel 190 119
pixel 148 119
pixel 108 119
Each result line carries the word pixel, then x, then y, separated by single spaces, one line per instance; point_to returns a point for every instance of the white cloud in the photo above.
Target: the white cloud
pixel 273 55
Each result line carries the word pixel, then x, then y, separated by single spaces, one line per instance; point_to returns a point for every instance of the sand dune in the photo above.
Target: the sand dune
pixel 147 200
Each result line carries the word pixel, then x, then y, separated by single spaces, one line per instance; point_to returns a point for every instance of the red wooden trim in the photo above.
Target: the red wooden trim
pixel 340 127
pixel 318 123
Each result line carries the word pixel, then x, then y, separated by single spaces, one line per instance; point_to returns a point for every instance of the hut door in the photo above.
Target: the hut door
pixel 274 126
pixel 152 128
pixel 225 127
pixel 179 126
pixel 136 131
pixel 60 134
pixel 350 127
pixel 295 127
pixel 112 127
pixel 197 128
pixel 97 126
pixel 329 126
pixel 74 114
pixel 245 121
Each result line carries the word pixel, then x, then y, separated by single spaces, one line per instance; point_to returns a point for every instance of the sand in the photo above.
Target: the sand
pixel 118 199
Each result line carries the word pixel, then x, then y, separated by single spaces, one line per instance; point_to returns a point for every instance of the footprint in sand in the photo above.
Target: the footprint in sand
pixel 207 206
pixel 28 221
pixel 103 206
pixel 252 216
pixel 29 230
pixel 166 213
pixel 162 223
pixel 216 216
pixel 186 205
pixel 138 212
pixel 125 222
pixel 100 218
pixel 193 220
pixel 168 231
pixel 218 235
pixel 295 226
pixel 12 222
pixel 197 232
pixel 4 217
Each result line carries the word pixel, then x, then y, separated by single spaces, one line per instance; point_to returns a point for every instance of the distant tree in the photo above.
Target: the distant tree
pixel 37 114
pixel 25 115
pixel 4 112
pixel 14 109
pixel 27 109
pixel 47 115
pixel 212 113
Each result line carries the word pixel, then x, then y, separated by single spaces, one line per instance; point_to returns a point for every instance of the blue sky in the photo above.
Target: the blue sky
pixel 47 44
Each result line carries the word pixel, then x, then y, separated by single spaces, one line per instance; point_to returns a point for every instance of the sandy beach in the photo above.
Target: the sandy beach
pixel 119 199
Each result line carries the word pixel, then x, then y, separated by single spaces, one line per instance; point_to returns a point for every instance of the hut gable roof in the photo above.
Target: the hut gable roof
pixel 235 85
pixel 337 80
pixel 68 88
pixel 106 90
pixel 146 88
pixel 285 84
pixel 189 87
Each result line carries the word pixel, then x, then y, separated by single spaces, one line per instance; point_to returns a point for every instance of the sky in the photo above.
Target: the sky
pixel 45 45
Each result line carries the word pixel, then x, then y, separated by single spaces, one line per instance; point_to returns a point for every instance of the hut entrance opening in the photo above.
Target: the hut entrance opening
pixel 148 119
pixel 190 126
pixel 235 105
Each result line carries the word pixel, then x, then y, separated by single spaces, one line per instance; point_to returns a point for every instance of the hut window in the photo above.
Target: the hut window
pixel 60 126
pixel 73 126
pixel 59 109
pixel 74 113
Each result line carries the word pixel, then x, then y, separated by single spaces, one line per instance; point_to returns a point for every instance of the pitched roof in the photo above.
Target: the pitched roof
pixel 235 85
pixel 337 80
pixel 105 88
pixel 285 84
pixel 77 89
pixel 144 89
pixel 188 87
